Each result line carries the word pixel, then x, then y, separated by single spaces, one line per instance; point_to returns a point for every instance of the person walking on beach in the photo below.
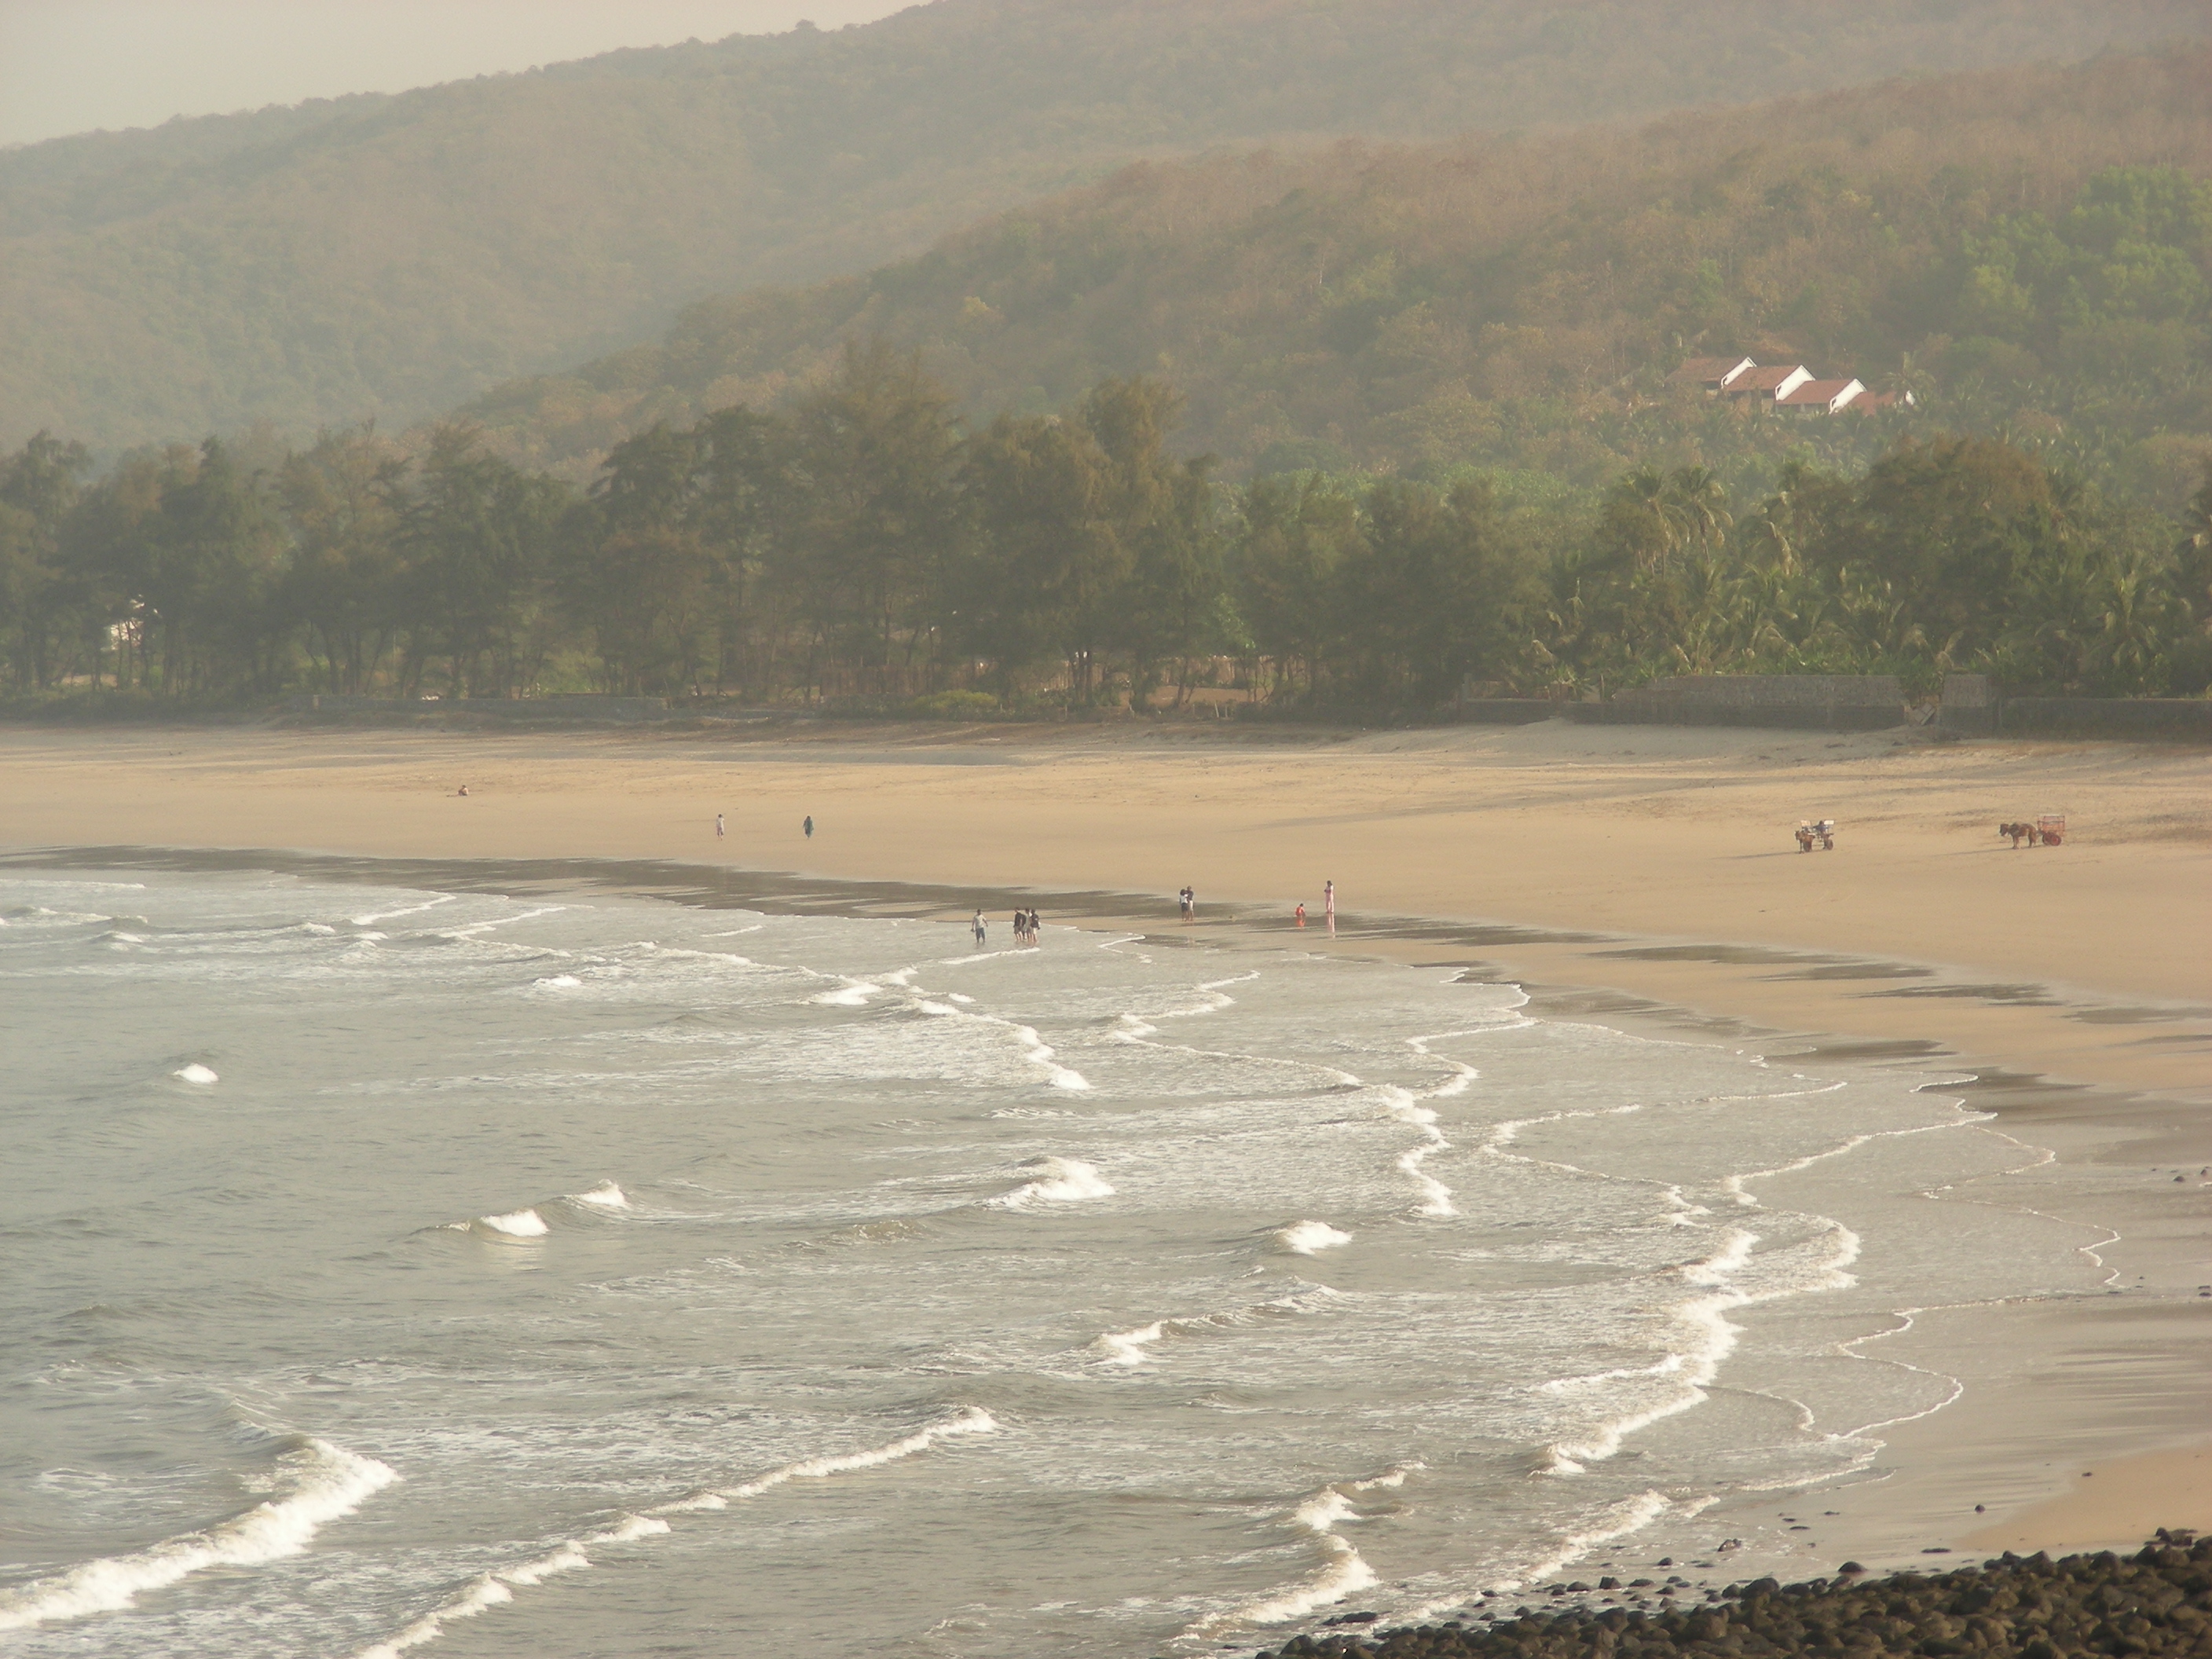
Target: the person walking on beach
pixel 718 830
pixel 981 930
pixel 808 826
pixel 1328 905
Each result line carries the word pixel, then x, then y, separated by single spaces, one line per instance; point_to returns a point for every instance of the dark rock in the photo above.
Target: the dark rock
pixel 2157 1601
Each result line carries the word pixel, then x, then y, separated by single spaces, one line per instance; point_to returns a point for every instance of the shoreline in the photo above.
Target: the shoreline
pixel 1927 1499
pixel 2149 1599
pixel 2062 988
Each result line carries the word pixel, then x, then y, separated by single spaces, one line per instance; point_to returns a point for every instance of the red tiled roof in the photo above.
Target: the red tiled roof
pixel 1711 371
pixel 1765 379
pixel 1817 392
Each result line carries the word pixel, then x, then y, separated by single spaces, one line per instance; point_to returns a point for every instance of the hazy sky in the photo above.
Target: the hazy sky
pixel 72 66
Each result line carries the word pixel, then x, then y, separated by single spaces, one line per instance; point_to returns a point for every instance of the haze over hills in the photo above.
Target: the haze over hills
pixel 390 257
pixel 2029 248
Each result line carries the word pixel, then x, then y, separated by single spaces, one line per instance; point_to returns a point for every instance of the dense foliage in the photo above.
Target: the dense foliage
pixel 389 257
pixel 858 544
pixel 2026 252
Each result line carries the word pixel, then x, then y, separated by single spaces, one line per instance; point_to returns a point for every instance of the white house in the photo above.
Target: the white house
pixel 1769 384
pixel 1825 396
pixel 1715 374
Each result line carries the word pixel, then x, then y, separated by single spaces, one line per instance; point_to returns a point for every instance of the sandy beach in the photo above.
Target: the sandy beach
pixel 1637 876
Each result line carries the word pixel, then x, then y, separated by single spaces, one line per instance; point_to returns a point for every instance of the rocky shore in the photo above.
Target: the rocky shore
pixel 2157 1601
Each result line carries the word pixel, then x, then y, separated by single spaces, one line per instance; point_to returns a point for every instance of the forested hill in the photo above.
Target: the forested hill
pixel 2026 250
pixel 394 256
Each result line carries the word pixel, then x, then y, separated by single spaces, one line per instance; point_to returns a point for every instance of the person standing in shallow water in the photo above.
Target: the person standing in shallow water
pixel 808 826
pixel 1328 905
pixel 981 929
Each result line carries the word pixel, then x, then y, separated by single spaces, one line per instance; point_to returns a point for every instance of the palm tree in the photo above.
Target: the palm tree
pixel 2195 552
pixel 2129 610
pixel 1697 503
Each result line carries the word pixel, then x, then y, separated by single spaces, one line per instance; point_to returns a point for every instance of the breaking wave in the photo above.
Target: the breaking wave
pixel 327 1481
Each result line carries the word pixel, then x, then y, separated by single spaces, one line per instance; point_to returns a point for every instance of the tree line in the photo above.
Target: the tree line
pixel 857 545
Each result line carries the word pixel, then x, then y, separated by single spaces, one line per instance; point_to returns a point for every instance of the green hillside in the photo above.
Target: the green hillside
pixel 2025 250
pixel 390 257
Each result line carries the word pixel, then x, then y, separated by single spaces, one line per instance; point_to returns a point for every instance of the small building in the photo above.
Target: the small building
pixel 1715 374
pixel 1769 384
pixel 1793 387
pixel 1819 397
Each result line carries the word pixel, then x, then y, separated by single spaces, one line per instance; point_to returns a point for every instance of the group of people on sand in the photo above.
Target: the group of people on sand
pixel 722 828
pixel 1328 908
pixel 1186 901
pixel 1026 928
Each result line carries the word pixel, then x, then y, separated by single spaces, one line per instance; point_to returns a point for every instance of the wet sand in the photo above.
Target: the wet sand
pixel 1644 877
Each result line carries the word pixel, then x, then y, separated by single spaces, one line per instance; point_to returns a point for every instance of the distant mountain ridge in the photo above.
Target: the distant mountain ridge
pixel 2032 245
pixel 394 256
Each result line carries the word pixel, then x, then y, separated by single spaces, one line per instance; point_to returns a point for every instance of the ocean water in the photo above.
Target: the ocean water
pixel 390 1270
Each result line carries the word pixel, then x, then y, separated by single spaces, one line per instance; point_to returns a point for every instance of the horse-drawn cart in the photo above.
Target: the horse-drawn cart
pixel 1821 835
pixel 2048 830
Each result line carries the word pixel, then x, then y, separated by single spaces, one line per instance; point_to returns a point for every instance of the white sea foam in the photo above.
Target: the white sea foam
pixel 516 1224
pixel 37 915
pixel 475 928
pixel 628 1530
pixel 1063 1076
pixel 195 1072
pixel 606 1196
pixel 567 1558
pixel 1435 1197
pixel 1034 1047
pixel 1620 1521
pixel 326 1482
pixel 405 910
pixel 1724 1263
pixel 482 1594
pixel 1306 1238
pixel 1128 1348
pixel 975 1421
pixel 1055 1181
pixel 496 1588
pixel 1710 1335
pixel 560 982
pixel 1344 1573
pixel 853 994
pixel 1665 1367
